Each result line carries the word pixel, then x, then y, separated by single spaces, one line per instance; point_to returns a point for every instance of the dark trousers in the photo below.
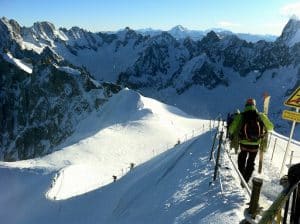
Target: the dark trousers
pixel 297 214
pixel 246 163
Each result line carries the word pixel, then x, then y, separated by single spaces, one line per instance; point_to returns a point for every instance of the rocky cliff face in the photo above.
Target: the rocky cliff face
pixel 291 33
pixel 229 52
pixel 40 110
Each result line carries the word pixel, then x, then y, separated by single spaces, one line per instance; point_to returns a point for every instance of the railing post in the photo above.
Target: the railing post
pixel 278 217
pixel 274 148
pixel 254 206
pixel 291 158
pixel 286 209
pixel 219 123
pixel 213 146
pixel 261 157
pixel 270 137
pixel 218 156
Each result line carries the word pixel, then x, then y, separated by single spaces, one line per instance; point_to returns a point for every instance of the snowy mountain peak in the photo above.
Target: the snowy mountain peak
pixel 291 32
pixel 10 25
pixel 127 34
pixel 149 31
pixel 7 21
pixel 178 28
pixel 294 17
pixel 44 26
pixel 180 32
pixel 44 29
pixel 211 37
pixel 164 38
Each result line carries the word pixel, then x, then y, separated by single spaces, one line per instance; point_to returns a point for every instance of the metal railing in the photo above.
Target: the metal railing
pixel 286 207
pixel 287 201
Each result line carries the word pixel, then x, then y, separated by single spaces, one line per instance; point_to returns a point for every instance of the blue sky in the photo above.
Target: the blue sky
pixel 252 16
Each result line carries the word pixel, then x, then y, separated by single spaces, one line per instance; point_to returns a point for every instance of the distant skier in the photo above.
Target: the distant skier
pixel 249 127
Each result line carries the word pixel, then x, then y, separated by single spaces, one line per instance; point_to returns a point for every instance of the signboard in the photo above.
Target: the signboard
pixel 291 115
pixel 294 99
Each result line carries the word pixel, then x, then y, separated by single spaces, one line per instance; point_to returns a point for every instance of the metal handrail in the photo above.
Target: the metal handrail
pixel 269 215
pixel 295 142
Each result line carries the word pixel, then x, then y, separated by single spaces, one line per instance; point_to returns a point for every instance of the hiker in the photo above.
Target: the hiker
pixel 234 140
pixel 131 166
pixel 249 127
pixel 228 121
pixel 293 178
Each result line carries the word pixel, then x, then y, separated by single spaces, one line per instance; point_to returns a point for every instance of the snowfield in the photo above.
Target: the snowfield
pixel 19 63
pixel 170 182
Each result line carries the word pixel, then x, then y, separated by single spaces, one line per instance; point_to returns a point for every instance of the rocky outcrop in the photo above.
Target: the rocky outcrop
pixel 40 110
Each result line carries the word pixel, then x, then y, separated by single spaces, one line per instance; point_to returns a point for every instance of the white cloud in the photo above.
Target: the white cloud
pixel 227 24
pixel 292 9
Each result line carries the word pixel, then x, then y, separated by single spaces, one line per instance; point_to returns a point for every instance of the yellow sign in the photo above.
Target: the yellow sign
pixel 291 115
pixel 294 99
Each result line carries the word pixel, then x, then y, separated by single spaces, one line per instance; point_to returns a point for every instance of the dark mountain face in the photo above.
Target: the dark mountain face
pixel 230 52
pixel 156 61
pixel 291 33
pixel 40 110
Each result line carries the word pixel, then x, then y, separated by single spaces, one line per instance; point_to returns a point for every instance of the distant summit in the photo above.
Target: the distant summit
pixel 179 28
pixel 180 32
pixel 291 32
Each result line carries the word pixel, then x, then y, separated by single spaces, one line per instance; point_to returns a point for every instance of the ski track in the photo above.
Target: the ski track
pixel 171 167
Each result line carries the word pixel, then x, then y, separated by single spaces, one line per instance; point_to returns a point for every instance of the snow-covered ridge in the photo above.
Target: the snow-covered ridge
pixel 68 70
pixel 130 128
pixel 21 64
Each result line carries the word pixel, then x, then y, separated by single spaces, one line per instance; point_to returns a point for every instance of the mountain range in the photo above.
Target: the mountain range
pixel 180 32
pixel 52 78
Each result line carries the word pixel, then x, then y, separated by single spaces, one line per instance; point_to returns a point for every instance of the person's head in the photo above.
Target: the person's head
pixel 250 104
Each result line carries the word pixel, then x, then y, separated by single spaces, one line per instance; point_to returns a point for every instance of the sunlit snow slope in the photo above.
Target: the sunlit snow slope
pixel 168 186
pixel 129 129
pixel 169 183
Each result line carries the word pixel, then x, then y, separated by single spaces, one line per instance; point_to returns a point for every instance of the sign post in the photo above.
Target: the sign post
pixel 292 101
